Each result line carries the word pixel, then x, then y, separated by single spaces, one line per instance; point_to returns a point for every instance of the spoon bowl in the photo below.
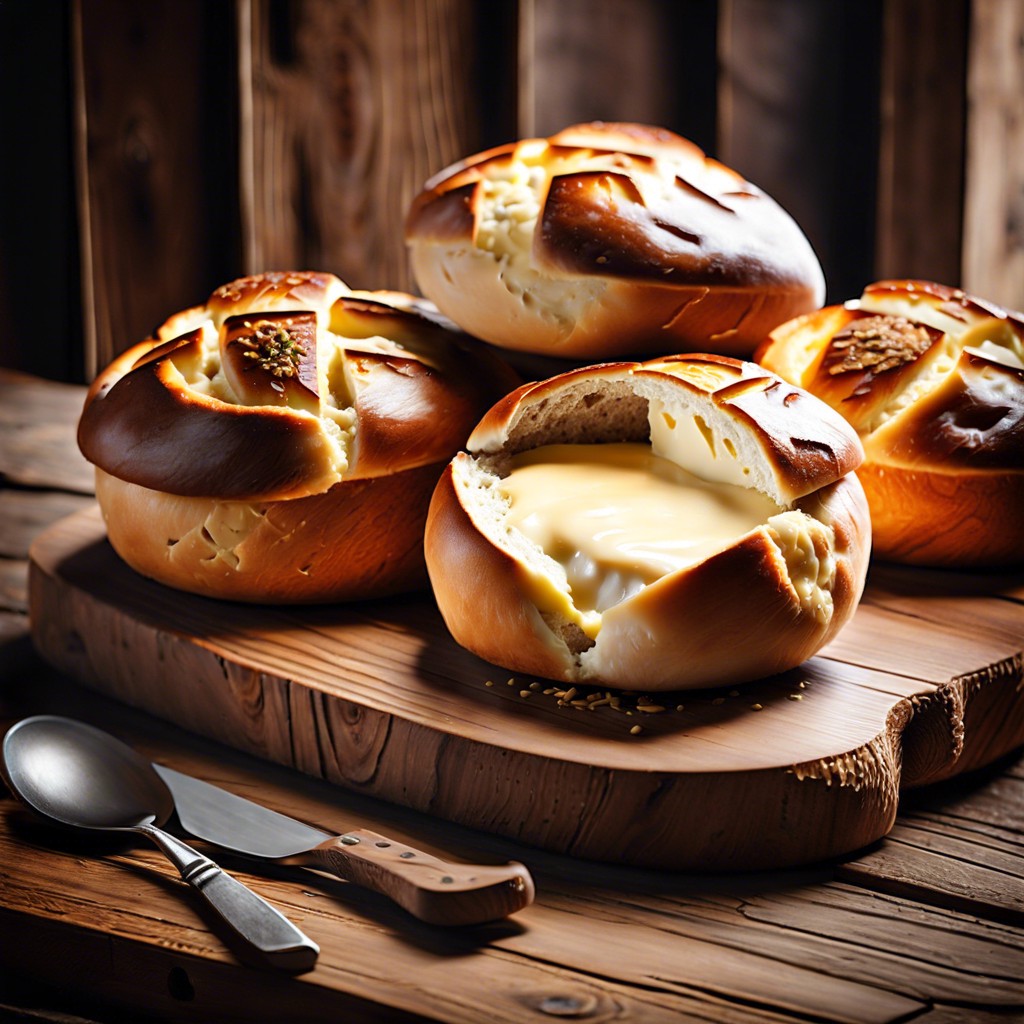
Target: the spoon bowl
pixel 81 777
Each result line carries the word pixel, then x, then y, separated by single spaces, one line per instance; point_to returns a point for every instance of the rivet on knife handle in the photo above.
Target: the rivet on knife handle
pixel 434 890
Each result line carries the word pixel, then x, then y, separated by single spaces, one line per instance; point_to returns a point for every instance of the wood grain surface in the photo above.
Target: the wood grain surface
pixel 924 925
pixel 925 682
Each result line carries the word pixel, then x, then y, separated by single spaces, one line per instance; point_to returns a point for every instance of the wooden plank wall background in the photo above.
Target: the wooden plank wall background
pixel 157 149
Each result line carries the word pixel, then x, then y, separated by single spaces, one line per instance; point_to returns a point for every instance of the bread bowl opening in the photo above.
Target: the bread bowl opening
pixel 617 517
pixel 596 521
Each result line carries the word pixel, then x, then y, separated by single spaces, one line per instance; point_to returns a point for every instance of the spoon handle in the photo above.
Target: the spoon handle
pixel 267 931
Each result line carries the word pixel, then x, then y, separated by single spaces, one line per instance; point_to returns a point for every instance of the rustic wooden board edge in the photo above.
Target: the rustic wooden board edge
pixel 745 819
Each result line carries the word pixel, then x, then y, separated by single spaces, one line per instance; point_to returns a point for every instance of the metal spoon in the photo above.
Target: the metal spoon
pixel 83 777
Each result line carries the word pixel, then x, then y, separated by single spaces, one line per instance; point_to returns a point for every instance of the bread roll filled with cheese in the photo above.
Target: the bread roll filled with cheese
pixel 609 241
pixel 281 442
pixel 933 381
pixel 685 522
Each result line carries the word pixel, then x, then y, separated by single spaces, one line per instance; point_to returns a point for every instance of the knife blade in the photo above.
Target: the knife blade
pixel 434 890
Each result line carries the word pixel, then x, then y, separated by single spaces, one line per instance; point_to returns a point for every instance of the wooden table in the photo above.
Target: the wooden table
pixel 923 926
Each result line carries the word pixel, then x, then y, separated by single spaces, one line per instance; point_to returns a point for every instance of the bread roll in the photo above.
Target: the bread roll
pixel 686 522
pixel 608 241
pixel 933 381
pixel 281 443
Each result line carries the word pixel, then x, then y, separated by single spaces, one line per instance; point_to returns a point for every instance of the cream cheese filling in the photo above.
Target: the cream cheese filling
pixel 617 517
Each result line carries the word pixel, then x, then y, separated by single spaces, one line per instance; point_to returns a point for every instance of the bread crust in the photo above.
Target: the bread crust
pixel 295 407
pixel 926 375
pixel 736 615
pixel 640 245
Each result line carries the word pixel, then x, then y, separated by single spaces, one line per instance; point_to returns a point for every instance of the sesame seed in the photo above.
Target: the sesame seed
pixel 680 707
pixel 795 696
pixel 734 693
pixel 490 682
pixel 511 682
pixel 756 707
pixel 636 730
pixel 535 686
pixel 718 700
pixel 649 709
pixel 524 693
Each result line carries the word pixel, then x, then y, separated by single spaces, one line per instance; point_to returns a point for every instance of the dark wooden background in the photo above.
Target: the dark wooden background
pixel 153 150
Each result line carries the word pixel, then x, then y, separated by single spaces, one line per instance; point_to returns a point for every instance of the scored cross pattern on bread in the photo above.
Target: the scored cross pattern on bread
pixel 280 442
pixel 933 380
pixel 605 241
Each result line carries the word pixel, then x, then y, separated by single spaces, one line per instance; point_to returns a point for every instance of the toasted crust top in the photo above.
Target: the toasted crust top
pixel 282 385
pixel 928 375
pixel 620 201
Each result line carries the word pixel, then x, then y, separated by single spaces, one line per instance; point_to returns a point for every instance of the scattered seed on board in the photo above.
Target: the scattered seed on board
pixel 795 696
pixel 524 693
pixel 636 730
pixel 756 707
pixel 490 682
pixel 718 700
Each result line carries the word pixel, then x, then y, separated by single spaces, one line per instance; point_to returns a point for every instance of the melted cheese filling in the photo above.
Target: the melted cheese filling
pixel 617 517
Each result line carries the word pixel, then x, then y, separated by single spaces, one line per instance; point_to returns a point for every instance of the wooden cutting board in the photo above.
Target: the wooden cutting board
pixel 924 683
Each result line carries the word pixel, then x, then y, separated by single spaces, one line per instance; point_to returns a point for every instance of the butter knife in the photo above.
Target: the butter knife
pixel 434 890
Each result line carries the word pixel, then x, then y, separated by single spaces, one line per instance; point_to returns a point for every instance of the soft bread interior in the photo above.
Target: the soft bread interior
pixel 692 446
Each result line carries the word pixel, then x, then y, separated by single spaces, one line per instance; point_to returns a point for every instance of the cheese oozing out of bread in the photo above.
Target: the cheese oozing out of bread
pixel 596 523
pixel 617 517
pixel 679 523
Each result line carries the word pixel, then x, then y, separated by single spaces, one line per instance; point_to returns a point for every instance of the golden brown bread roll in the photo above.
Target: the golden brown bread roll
pixel 933 381
pixel 609 241
pixel 684 522
pixel 280 443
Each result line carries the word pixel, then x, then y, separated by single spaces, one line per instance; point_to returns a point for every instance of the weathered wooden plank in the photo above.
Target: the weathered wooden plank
pixel 348 108
pixel 959 847
pixel 40 309
pixel 921 149
pixel 993 257
pixel 26 513
pixel 840 931
pixel 155 122
pixel 798 105
pixel 15 645
pixel 609 61
pixel 38 420
pixel 132 896
pixel 14 585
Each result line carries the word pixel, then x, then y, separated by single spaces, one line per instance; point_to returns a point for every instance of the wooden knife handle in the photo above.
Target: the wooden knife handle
pixel 434 890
